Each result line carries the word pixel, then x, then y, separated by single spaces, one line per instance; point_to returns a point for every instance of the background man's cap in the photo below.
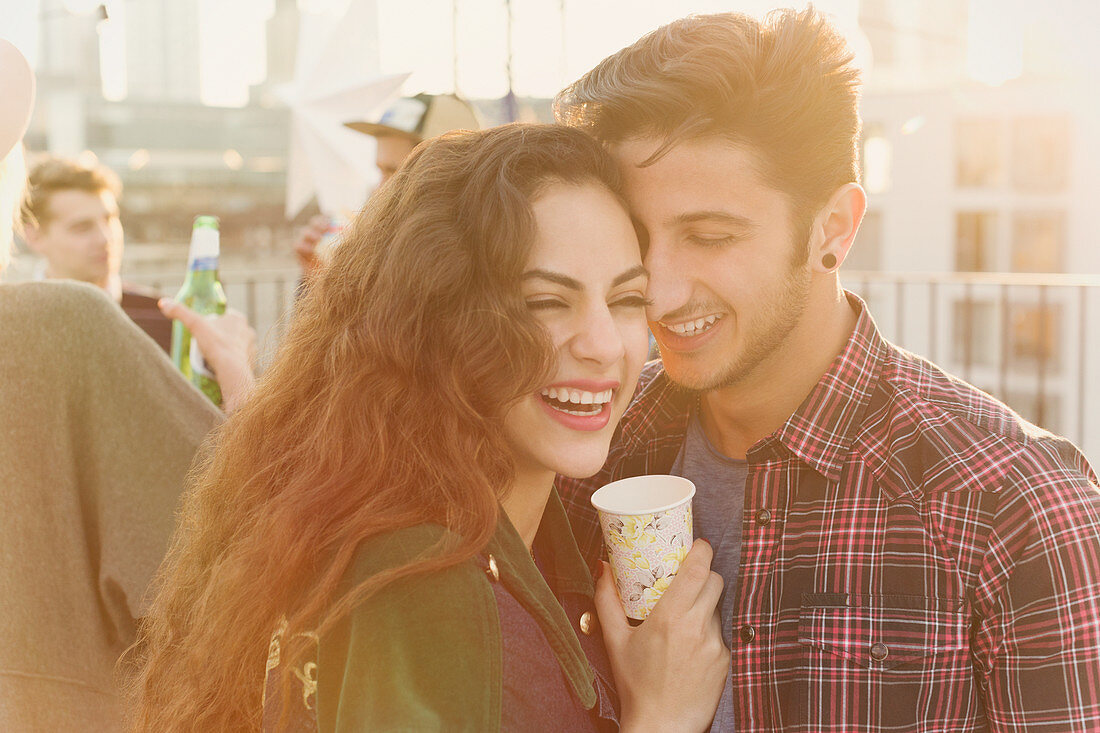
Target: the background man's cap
pixel 16 96
pixel 422 117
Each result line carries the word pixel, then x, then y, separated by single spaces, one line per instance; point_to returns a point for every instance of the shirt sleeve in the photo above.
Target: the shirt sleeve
pixel 137 424
pixel 421 655
pixel 1037 645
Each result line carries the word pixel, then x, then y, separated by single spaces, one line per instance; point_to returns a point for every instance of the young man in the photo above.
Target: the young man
pixel 404 125
pixel 71 219
pixel 901 551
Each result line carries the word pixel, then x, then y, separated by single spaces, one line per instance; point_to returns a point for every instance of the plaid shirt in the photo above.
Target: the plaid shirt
pixel 915 557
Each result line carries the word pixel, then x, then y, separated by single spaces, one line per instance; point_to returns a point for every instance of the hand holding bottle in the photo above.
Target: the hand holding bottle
pixel 228 344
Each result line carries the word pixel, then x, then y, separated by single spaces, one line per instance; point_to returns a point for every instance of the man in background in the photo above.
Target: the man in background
pixel 403 126
pixel 71 218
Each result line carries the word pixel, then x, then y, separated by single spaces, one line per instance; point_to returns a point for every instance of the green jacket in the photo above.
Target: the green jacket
pixel 425 653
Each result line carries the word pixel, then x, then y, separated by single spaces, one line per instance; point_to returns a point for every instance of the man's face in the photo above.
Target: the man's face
pixel 82 237
pixel 392 151
pixel 728 277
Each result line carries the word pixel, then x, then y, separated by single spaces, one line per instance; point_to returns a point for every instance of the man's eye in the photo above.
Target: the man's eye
pixel 710 241
pixel 544 304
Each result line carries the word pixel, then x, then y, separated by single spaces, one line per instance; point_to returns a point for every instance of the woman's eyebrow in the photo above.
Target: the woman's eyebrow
pixel 573 284
pixel 633 272
pixel 554 277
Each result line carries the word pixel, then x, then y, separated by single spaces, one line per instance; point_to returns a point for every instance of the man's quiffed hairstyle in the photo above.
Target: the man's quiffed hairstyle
pixel 54 174
pixel 785 86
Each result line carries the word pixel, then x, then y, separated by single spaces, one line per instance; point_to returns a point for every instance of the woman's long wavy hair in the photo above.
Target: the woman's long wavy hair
pixel 382 410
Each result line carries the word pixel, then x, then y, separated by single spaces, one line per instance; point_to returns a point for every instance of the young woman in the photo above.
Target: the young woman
pixel 385 497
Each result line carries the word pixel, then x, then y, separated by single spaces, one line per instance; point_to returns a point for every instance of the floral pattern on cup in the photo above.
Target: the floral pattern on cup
pixel 645 552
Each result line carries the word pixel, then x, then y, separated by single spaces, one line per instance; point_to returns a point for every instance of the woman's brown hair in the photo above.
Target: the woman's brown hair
pixel 382 410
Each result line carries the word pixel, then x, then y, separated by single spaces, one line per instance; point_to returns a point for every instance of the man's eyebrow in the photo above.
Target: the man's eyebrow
pixel 717 217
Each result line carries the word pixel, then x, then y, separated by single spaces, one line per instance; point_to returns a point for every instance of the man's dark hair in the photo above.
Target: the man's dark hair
pixel 784 86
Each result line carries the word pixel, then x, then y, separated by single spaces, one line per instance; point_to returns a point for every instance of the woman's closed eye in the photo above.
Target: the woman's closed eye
pixel 541 304
pixel 632 301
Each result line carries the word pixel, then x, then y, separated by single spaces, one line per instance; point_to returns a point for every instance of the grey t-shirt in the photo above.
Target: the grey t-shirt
pixel 717 510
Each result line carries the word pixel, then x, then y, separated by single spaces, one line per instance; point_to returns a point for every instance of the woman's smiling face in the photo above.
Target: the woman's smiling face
pixel 585 282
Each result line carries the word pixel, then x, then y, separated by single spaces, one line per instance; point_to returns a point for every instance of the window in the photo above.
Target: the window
pixel 876 159
pixel 1040 154
pixel 975 238
pixel 1044 410
pixel 979 161
pixel 874 21
pixel 1034 338
pixel 974 338
pixel 1038 241
pixel 866 251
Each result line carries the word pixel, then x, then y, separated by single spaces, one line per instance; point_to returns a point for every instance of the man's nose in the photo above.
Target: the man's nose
pixel 669 279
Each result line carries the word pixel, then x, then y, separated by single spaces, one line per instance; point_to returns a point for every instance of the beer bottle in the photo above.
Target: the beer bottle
pixel 202 292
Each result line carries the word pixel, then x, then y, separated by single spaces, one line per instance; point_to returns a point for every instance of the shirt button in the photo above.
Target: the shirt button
pixel 748 633
pixel 763 517
pixel 586 623
pixel 493 571
pixel 879 651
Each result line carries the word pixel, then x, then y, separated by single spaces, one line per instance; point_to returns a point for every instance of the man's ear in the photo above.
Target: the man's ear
pixel 32 235
pixel 837 223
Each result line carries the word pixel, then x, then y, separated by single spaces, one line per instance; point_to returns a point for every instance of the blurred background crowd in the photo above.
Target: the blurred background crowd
pixel 980 150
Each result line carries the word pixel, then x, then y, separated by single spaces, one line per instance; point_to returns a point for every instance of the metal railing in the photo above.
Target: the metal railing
pixel 1032 341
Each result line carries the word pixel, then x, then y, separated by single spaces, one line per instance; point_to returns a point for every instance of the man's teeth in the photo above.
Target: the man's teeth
pixel 691 328
pixel 578 396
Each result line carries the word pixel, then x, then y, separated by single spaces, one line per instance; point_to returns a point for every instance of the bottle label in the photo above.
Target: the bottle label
pixel 198 364
pixel 204 263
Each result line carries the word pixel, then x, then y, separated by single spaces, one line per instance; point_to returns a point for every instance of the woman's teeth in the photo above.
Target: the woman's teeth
pixel 576 401
pixel 692 328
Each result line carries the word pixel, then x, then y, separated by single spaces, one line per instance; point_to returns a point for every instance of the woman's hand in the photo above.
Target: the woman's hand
pixel 305 246
pixel 671 669
pixel 228 345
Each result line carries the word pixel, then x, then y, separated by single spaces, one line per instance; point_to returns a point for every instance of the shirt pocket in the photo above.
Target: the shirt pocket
pixel 883 662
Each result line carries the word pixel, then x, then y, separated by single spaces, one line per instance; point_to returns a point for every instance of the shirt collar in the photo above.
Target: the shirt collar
pixel 659 408
pixel 563 564
pixel 822 429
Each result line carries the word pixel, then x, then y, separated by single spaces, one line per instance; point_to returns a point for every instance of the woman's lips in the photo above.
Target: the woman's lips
pixel 580 404
pixel 595 421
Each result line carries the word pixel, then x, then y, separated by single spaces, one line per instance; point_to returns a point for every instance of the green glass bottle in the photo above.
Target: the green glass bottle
pixel 203 293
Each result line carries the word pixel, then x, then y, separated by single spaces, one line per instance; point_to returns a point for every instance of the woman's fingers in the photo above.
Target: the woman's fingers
pixel 609 608
pixel 178 311
pixel 710 596
pixel 683 592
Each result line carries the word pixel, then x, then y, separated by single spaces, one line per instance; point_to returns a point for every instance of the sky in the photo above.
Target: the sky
pixel 554 41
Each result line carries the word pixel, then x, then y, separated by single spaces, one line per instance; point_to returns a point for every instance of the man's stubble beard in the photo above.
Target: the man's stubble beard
pixel 771 330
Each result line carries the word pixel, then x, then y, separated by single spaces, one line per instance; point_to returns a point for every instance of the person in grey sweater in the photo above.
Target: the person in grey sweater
pixel 97 434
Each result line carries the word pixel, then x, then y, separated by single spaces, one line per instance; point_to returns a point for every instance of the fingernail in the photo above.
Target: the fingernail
pixel 599 570
pixel 704 539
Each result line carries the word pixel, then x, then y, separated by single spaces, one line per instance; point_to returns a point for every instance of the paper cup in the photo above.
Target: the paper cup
pixel 646 522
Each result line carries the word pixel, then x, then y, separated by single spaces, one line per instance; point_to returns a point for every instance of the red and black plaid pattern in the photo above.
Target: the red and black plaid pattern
pixel 916 557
